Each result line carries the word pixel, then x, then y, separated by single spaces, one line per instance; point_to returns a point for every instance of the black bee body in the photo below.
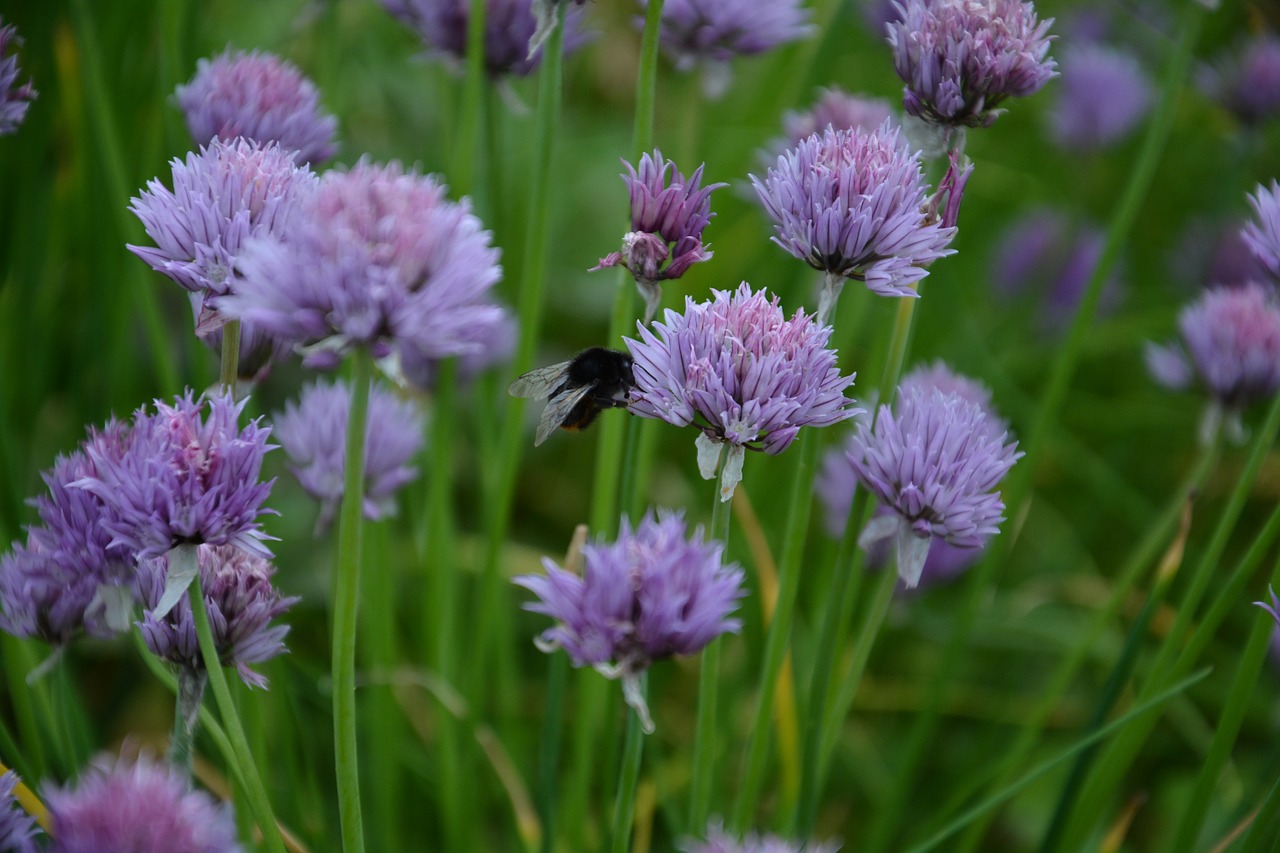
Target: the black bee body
pixel 577 390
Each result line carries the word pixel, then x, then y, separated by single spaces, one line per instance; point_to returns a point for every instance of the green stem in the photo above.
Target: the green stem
pixel 247 770
pixel 186 717
pixel 549 749
pixel 470 132
pixel 346 608
pixel 230 362
pixel 1266 824
pixel 628 777
pixel 704 745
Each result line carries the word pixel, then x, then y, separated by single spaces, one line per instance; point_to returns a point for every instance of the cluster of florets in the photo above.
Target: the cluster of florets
pixel 17 828
pixel 836 108
pixel 1247 79
pixel 1262 234
pixel 260 97
pixel 695 31
pixel 14 99
pixel 960 59
pixel 1104 95
pixel 720 841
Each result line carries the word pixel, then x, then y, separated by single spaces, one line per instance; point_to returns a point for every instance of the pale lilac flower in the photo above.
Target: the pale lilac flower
pixel 223 195
pixel 935 461
pixel 1247 79
pixel 14 99
pixel 1104 95
pixel 1232 338
pixel 960 59
pixel 313 433
pixel 379 258
pixel 509 28
pixel 838 109
pixel 140 807
pixel 17 828
pixel 260 97
pixel 740 372
pixel 853 204
pixel 719 841
pixel 488 344
pixel 190 476
pixel 70 576
pixel 241 602
pixel 1262 234
pixel 654 593
pixel 668 215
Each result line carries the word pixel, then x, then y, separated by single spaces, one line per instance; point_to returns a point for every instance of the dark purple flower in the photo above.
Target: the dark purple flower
pixel 260 97
pixel 69 575
pixel 719 841
pixel 712 32
pixel 17 828
pixel 313 433
pixel 141 807
pixel 1262 235
pixel 1247 79
pixel 241 603
pixel 14 99
pixel 961 58
pixel 509 27
pixel 190 476
pixel 654 593
pixel 1103 96
pixel 935 461
pixel 222 196
pixel 852 203
pixel 379 258
pixel 668 215
pixel 1232 336
pixel 741 372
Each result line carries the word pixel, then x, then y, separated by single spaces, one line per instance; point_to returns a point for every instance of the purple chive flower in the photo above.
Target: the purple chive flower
pixel 961 58
pixel 654 593
pixel 1262 235
pixel 509 28
pixel 223 195
pixel 190 476
pixel 852 203
pixel 14 99
pixel 668 215
pixel 241 602
pixel 1232 336
pixel 260 97
pixel 313 433
pixel 719 841
pixel 379 258
pixel 709 33
pixel 141 806
pixel 837 478
pixel 70 576
pixel 838 109
pixel 741 372
pixel 488 344
pixel 1104 95
pixel 1247 79
pixel 17 828
pixel 934 460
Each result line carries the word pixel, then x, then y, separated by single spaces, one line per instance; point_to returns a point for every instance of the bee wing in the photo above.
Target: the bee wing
pixel 538 383
pixel 557 411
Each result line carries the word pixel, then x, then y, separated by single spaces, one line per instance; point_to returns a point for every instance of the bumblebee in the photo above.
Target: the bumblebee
pixel 577 390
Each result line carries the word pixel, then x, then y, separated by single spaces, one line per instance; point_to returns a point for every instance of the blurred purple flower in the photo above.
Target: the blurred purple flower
pixel 742 373
pixel 1104 95
pixel 1262 235
pixel 241 602
pixel 935 461
pixel 654 593
pixel 668 215
pixel 261 97
pixel 70 576
pixel 1247 79
pixel 224 195
pixel 853 204
pixel 14 99
pixel 190 476
pixel 313 433
pixel 719 841
pixel 961 58
pixel 143 807
pixel 380 258
pixel 1232 336
pixel 509 27
pixel 487 344
pixel 17 828
pixel 838 109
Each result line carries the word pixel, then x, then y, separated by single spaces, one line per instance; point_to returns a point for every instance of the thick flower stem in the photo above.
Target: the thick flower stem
pixel 230 363
pixel 255 792
pixel 704 746
pixel 624 807
pixel 346 607
pixel 186 718
pixel 549 750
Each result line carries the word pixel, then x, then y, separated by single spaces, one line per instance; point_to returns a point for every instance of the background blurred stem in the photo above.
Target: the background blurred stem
pixel 628 776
